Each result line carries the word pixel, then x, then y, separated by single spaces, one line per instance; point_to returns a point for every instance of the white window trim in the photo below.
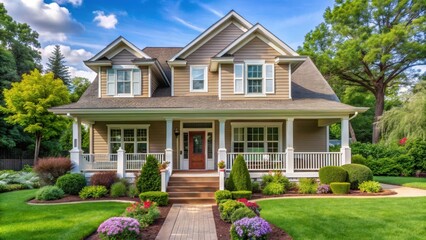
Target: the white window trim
pixel 206 76
pixel 265 125
pixel 124 67
pixel 254 62
pixel 129 126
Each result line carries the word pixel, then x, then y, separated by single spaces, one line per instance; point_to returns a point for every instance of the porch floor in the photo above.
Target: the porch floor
pixel 195 173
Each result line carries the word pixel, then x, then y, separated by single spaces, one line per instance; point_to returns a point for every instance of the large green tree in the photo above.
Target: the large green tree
pixel 27 104
pixel 56 65
pixel 369 43
pixel 78 86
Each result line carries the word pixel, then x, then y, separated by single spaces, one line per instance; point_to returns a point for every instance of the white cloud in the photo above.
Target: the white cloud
pixel 75 3
pixel 105 21
pixel 89 74
pixel 51 21
pixel 210 9
pixel 188 24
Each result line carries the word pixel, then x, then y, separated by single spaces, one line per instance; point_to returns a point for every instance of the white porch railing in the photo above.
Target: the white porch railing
pixel 135 161
pixel 259 161
pixel 108 161
pixel 316 160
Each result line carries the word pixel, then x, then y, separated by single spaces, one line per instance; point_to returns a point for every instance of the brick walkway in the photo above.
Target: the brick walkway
pixel 189 222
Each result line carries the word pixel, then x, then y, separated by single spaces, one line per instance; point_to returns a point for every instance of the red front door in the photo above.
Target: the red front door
pixel 197 150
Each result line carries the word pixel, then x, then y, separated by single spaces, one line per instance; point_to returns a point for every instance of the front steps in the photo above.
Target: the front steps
pixel 193 188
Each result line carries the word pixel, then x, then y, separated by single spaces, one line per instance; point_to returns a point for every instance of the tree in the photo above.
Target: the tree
pixel 27 104
pixel 78 87
pixel 371 44
pixel 56 65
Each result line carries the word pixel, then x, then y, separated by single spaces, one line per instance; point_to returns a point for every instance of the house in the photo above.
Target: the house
pixel 235 89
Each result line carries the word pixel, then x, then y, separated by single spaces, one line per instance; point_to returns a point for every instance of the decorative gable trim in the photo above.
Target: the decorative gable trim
pixel 130 47
pixel 242 23
pixel 262 33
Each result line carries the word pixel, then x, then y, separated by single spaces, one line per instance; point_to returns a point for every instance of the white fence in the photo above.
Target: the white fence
pixel 316 160
pixel 135 161
pixel 108 161
pixel 259 161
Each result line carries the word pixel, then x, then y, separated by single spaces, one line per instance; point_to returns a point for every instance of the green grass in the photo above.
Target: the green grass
pixel 403 181
pixel 19 220
pixel 348 218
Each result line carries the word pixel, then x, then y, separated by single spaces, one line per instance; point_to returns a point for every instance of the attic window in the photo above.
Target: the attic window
pixel 124 81
pixel 198 78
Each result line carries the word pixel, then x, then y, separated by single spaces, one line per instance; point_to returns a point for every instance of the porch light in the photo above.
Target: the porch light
pixel 177 132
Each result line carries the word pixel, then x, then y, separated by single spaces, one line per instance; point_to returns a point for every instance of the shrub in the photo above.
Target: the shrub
pixel 27 179
pixel 50 169
pixel 242 213
pixel 93 192
pixel 133 191
pixel 239 178
pixel 250 228
pixel 118 189
pixel 357 174
pixel 119 228
pixel 228 208
pixel 323 189
pixel 145 212
pixel 340 187
pixel 49 193
pixel 255 187
pixel 273 188
pixel 358 159
pixel 417 150
pixel 221 195
pixel 15 187
pixel 370 187
pixel 281 179
pixel 105 179
pixel 3 188
pixel 150 178
pixel 241 194
pixel 307 185
pixel 71 183
pixel 161 198
pixel 266 179
pixel 331 174
pixel 251 205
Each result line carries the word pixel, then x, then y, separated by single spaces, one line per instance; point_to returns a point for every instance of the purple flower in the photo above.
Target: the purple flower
pixel 119 228
pixel 248 228
pixel 323 188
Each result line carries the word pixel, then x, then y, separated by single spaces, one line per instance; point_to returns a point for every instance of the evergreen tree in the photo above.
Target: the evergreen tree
pixel 56 65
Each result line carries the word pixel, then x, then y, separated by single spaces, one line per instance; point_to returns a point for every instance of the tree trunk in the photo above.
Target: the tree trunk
pixel 378 112
pixel 352 132
pixel 38 137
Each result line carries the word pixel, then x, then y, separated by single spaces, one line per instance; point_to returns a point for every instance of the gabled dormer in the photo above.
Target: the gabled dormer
pixel 126 71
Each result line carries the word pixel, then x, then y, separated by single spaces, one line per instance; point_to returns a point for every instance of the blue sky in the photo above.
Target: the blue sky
pixel 84 27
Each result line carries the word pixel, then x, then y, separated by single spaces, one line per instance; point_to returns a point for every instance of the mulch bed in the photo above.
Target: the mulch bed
pixel 353 193
pixel 222 228
pixel 73 198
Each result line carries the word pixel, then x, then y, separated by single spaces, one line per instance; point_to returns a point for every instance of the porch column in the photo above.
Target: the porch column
pixel 121 163
pixel 221 155
pixel 169 143
pixel 91 138
pixel 289 164
pixel 75 153
pixel 345 149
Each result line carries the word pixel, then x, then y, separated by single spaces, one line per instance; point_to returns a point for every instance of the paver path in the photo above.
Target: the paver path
pixel 404 191
pixel 186 221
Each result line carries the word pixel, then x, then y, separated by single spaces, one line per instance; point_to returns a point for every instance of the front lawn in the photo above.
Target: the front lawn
pixel 348 218
pixel 71 221
pixel 403 181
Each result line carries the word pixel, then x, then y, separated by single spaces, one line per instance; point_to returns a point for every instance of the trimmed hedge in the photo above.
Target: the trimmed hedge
pixel 241 194
pixel 161 198
pixel 357 174
pixel 71 183
pixel 241 213
pixel 358 159
pixel 150 178
pixel 222 195
pixel 239 178
pixel 331 174
pixel 49 193
pixel 340 187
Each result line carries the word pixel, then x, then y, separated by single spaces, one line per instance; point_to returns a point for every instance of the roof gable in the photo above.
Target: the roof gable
pixel 262 33
pixel 116 47
pixel 231 17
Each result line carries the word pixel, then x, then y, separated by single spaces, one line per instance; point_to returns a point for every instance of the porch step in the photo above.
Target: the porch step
pixel 190 188
pixel 192 194
pixel 194 184
pixel 194 179
pixel 191 200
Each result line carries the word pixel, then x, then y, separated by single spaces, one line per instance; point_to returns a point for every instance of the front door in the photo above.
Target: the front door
pixel 197 150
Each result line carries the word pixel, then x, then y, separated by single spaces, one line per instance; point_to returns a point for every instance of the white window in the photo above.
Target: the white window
pixel 132 140
pixel 124 81
pixel 262 139
pixel 198 78
pixel 239 78
pixel 254 78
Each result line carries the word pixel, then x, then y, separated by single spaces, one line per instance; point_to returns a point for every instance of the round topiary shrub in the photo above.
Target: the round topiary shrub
pixel 239 178
pixel 331 174
pixel 49 193
pixel 273 188
pixel 150 178
pixel 222 195
pixel 118 189
pixel 340 187
pixel 357 174
pixel 358 159
pixel 71 183
pixel 242 213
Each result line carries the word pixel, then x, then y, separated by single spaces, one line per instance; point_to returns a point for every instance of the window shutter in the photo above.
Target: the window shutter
pixel 137 88
pixel 238 78
pixel 110 82
pixel 269 78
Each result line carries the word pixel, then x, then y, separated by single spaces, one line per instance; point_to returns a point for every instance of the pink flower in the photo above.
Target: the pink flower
pixel 403 141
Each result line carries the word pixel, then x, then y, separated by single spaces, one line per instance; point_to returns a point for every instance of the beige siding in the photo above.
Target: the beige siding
pixel 308 137
pixel 256 49
pixel 155 80
pixel 144 85
pixel 202 57
pixel 123 58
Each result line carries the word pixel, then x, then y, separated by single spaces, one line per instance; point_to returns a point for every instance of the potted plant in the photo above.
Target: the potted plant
pixel 163 165
pixel 221 164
